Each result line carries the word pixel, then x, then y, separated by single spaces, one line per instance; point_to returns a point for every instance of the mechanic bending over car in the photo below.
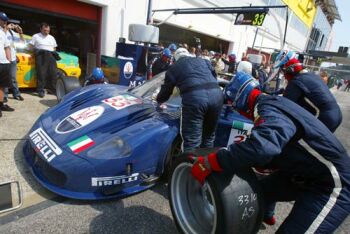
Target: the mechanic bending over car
pixel 308 90
pixel 160 63
pixel 201 95
pixel 97 77
pixel 312 165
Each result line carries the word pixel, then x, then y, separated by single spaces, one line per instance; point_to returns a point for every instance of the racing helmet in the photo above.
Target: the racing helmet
pixel 172 47
pixel 167 53
pixel 283 57
pixel 97 74
pixel 239 89
pixel 181 52
pixel 245 66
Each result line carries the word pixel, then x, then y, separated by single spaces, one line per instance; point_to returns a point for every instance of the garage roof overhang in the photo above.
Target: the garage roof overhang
pixel 332 57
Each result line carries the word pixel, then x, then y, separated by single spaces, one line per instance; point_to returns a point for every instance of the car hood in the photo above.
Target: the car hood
pixel 96 112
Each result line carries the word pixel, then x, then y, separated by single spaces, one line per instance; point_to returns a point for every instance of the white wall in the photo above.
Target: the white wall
pixel 118 14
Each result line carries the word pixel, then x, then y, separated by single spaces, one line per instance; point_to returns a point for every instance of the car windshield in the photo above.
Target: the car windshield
pixel 150 89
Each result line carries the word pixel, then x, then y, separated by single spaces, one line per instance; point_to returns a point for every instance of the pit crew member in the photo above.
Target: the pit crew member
pixel 308 90
pixel 313 165
pixel 202 98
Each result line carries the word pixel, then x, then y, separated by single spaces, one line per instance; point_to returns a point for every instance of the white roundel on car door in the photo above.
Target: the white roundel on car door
pixel 79 119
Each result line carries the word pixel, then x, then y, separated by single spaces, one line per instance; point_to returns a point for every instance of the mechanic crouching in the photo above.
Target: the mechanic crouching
pixel 312 165
pixel 202 98
pixel 97 77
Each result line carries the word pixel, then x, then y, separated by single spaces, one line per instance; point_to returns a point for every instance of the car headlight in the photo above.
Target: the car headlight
pixel 111 149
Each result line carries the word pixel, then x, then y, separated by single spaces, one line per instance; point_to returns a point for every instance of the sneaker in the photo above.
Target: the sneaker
pixel 270 221
pixel 6 107
pixel 19 98
pixel 5 99
pixel 41 94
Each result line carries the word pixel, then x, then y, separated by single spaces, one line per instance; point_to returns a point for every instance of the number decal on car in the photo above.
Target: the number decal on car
pixel 122 101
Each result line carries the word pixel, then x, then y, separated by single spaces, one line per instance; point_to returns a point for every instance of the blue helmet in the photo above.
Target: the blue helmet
pixel 238 90
pixel 172 47
pixel 283 57
pixel 167 53
pixel 97 73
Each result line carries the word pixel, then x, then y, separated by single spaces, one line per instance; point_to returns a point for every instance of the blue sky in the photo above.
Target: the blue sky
pixel 342 28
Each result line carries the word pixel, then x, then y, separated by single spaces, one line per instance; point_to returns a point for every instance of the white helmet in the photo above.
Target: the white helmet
pixel 245 66
pixel 181 52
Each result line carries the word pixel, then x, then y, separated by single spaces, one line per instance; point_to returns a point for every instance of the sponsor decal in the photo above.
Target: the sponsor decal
pixel 80 144
pixel 79 119
pixel 239 132
pixel 114 180
pixel 44 144
pixel 128 70
pixel 122 101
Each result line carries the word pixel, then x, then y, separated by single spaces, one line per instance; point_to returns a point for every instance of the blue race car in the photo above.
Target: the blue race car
pixel 104 141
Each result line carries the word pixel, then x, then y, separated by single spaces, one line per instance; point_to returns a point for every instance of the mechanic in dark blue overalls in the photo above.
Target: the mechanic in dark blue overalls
pixel 308 90
pixel 313 166
pixel 97 77
pixel 201 95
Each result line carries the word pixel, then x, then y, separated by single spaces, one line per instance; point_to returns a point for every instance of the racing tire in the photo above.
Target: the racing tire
pixel 173 153
pixel 224 204
pixel 66 84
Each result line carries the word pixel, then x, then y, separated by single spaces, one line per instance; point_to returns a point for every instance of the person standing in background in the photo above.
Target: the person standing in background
pixel 5 57
pixel 45 62
pixel 14 33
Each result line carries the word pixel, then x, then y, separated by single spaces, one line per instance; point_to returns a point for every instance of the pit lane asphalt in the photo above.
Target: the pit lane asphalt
pixel 44 212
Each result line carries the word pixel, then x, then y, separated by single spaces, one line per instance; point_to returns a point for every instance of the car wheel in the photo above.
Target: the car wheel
pixel 66 84
pixel 224 204
pixel 173 153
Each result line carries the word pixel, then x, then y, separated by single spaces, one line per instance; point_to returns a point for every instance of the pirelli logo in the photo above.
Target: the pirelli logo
pixel 113 180
pixel 44 144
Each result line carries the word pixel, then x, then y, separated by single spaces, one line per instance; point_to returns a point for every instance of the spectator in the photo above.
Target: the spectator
pixel 231 62
pixel 193 51
pixel 14 33
pixel 202 98
pixel 45 61
pixel 340 83
pixel 205 55
pixel 5 57
pixel 324 77
pixel 347 88
pixel 217 63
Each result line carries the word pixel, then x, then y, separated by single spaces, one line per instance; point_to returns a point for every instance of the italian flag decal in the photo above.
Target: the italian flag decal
pixel 80 144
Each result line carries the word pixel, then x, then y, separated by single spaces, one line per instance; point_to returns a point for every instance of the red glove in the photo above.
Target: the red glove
pixel 204 166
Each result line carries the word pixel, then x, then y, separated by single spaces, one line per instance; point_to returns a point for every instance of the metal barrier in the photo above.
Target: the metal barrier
pixel 6 196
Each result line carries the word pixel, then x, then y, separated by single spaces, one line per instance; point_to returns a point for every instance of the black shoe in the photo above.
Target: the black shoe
pixel 6 107
pixel 19 98
pixel 5 99
pixel 41 94
pixel 0 113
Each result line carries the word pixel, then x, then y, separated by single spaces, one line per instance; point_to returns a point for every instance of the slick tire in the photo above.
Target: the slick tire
pixel 64 85
pixel 224 204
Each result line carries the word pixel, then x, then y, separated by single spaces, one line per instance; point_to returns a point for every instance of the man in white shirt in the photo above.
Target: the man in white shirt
pixel 14 34
pixel 45 62
pixel 5 57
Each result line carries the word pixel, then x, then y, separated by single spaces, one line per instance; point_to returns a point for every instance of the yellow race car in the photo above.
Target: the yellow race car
pixel 68 65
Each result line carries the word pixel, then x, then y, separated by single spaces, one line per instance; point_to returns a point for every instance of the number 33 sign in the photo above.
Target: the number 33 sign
pixel 122 101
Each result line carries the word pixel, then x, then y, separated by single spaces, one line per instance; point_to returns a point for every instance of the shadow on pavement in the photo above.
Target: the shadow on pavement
pixel 115 218
pixel 49 103
pixel 25 172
